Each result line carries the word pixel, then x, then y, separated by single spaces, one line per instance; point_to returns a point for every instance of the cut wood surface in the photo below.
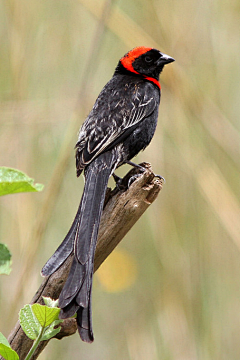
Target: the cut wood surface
pixel 123 207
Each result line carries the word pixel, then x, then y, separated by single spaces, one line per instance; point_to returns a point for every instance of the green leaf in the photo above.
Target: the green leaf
pixel 5 260
pixel 3 340
pixel 50 302
pixel 5 350
pixel 29 322
pixel 34 318
pixel 8 353
pixel 50 331
pixel 45 315
pixel 14 181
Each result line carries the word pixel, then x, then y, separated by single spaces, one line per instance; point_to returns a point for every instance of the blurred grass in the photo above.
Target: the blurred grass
pixel 185 302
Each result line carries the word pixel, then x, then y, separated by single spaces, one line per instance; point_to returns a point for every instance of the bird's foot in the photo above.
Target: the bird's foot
pixel 143 169
pixel 126 182
pixel 118 181
pixel 132 179
pixel 140 167
pixel 121 184
pixel 160 177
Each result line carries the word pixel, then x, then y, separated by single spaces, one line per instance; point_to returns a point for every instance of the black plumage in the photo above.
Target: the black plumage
pixel 122 123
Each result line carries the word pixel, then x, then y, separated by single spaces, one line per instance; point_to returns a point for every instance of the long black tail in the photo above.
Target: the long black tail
pixel 82 238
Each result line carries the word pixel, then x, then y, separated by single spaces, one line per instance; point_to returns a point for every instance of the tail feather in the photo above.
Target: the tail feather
pixel 82 297
pixel 64 249
pixel 76 293
pixel 92 204
pixel 74 282
pixel 69 310
pixel 84 321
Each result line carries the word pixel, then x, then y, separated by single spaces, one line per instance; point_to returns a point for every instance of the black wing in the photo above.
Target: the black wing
pixel 114 113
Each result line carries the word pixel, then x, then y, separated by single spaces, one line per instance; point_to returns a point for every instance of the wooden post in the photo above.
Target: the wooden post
pixel 123 207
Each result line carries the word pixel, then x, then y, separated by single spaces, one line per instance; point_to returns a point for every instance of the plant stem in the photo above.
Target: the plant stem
pixel 34 345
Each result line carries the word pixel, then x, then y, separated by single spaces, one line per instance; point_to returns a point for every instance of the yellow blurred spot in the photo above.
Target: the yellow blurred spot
pixel 118 272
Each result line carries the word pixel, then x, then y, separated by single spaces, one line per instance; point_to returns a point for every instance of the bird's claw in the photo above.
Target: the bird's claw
pixel 120 184
pixel 132 179
pixel 143 169
pixel 118 181
pixel 160 177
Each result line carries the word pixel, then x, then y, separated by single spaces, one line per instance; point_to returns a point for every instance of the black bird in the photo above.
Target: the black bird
pixel 122 123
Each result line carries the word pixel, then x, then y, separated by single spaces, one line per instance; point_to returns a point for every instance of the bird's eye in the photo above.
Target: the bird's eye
pixel 148 59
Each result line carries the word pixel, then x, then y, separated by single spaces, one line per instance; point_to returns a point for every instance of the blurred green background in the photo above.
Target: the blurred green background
pixel 183 300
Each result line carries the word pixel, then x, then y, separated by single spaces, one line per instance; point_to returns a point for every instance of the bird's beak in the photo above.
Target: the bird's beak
pixel 165 59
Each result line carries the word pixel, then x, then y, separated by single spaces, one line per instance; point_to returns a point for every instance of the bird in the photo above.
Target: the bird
pixel 121 123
